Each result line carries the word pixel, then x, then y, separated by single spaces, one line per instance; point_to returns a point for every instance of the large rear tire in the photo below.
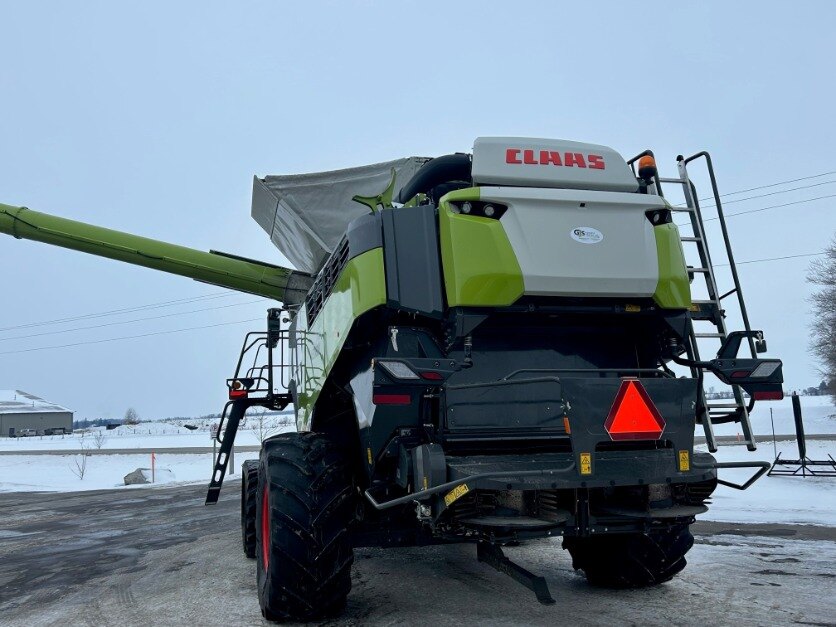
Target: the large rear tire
pixel 305 506
pixel 249 491
pixel 633 560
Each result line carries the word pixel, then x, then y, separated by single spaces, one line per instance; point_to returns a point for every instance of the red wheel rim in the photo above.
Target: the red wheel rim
pixel 265 529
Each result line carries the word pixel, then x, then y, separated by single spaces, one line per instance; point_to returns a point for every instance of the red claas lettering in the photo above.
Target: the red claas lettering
pixel 552 157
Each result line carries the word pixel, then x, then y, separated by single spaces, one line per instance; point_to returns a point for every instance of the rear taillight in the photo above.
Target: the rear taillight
pixel 768 395
pixel 238 389
pixel 391 399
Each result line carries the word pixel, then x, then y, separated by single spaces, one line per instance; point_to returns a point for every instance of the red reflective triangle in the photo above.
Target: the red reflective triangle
pixel 633 415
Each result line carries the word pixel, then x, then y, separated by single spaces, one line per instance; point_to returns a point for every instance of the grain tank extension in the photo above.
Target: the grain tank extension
pixel 484 348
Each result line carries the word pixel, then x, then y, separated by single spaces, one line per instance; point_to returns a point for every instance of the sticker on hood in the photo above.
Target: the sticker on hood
pixel 586 235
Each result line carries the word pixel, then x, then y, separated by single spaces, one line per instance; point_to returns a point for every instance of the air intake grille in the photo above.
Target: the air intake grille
pixel 325 280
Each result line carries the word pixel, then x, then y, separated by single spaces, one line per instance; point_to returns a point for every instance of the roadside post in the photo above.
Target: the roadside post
pixel 213 433
pixel 153 465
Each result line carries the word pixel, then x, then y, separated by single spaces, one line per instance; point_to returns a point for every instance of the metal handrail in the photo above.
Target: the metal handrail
pixel 721 217
pixel 654 371
pixel 423 494
pixel 764 467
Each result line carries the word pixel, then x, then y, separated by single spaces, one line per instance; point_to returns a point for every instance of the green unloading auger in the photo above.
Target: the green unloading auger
pixel 235 273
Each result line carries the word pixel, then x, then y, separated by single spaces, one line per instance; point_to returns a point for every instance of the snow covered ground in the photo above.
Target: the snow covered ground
pixel 30 473
pixel 810 500
pixel 162 435
pixel 800 500
pixel 59 473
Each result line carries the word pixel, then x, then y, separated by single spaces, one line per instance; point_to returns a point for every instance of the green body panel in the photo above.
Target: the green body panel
pixel 479 264
pixel 360 287
pixel 234 273
pixel 673 291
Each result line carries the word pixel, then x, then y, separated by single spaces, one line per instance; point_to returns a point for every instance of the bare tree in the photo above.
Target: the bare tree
pixel 131 417
pixel 823 345
pixel 261 425
pixel 79 465
pixel 99 439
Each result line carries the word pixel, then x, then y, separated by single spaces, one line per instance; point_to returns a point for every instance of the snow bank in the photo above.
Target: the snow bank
pixel 148 435
pixel 58 473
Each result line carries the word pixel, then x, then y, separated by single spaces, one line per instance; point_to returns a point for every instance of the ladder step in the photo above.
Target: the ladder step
pixel 682 209
pixel 723 406
pixel 705 302
pixel 691 239
pixel 705 270
pixel 704 315
pixel 717 335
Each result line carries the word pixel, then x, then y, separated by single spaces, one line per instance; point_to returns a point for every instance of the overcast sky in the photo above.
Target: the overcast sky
pixel 152 117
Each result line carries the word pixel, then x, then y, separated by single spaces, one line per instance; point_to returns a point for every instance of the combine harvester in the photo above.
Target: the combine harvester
pixel 478 348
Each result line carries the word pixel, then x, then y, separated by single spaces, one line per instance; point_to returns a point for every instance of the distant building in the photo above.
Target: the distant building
pixel 25 414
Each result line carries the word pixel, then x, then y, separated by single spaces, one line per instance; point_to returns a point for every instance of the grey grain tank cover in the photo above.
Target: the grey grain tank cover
pixel 306 215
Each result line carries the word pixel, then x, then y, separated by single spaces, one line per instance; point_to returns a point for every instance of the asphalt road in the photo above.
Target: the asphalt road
pixel 160 557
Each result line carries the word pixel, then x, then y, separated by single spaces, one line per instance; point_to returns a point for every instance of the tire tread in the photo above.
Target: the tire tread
pixel 633 560
pixel 311 502
pixel 249 490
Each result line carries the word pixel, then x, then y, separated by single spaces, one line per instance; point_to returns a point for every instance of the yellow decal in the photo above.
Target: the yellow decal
pixel 369 453
pixel 586 463
pixel 684 461
pixel 426 483
pixel 632 308
pixel 456 493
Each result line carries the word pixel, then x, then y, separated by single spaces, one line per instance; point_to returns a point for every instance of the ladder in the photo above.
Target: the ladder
pixel 252 386
pixel 707 324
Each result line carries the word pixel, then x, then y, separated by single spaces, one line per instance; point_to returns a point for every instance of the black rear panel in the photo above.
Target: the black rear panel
pixel 535 374
pixel 411 256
